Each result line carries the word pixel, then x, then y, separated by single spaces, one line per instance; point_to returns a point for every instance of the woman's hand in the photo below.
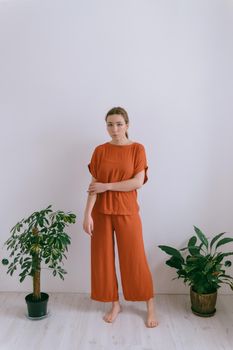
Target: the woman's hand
pixel 88 225
pixel 97 187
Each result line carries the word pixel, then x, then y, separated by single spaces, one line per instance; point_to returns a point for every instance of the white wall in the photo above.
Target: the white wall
pixel 64 64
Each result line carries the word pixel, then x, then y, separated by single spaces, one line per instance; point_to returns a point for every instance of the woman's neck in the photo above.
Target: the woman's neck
pixel 121 142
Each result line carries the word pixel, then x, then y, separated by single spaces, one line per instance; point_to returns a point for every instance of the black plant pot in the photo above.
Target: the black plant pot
pixel 37 309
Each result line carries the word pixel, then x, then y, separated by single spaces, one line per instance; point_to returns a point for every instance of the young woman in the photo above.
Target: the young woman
pixel 118 169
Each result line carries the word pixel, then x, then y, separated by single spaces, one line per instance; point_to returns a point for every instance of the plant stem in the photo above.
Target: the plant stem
pixel 36 275
pixel 36 285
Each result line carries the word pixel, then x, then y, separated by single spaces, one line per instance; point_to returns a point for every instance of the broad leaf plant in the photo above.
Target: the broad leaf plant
pixel 201 264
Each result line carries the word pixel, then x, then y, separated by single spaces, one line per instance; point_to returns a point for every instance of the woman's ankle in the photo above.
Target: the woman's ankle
pixel 116 303
pixel 150 303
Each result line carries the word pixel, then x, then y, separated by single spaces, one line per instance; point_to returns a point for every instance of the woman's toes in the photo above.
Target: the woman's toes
pixel 152 323
pixel 111 316
pixel 107 318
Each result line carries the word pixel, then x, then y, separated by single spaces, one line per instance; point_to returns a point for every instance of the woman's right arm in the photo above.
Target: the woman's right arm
pixel 88 221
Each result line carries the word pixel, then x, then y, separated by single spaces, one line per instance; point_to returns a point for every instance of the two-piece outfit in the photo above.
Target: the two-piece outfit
pixel 118 211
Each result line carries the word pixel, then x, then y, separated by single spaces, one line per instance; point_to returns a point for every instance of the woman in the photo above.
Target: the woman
pixel 118 169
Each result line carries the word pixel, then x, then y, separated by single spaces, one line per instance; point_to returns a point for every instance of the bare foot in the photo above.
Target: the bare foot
pixel 151 319
pixel 111 315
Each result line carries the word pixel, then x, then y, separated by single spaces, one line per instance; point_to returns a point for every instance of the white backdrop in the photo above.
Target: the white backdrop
pixel 64 64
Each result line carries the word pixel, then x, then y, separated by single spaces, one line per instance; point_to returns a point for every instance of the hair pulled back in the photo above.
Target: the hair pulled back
pixel 121 111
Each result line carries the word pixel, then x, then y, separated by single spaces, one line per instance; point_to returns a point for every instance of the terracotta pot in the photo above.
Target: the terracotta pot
pixel 203 304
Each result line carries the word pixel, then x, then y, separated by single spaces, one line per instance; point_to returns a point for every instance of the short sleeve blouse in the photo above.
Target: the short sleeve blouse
pixel 114 163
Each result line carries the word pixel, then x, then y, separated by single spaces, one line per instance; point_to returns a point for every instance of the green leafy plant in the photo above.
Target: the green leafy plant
pixel 200 264
pixel 39 238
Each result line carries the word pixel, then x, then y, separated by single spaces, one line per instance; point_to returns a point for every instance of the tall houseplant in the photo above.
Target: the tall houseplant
pixel 39 239
pixel 202 266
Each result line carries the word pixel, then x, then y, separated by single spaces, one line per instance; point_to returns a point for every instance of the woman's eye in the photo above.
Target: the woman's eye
pixel 118 124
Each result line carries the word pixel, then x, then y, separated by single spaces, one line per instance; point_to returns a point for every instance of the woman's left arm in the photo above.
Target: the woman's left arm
pixel 127 185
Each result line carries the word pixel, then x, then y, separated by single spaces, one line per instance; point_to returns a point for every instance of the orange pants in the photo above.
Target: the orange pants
pixel 136 277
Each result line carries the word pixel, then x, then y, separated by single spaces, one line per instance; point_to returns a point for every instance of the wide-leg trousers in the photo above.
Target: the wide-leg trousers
pixel 136 278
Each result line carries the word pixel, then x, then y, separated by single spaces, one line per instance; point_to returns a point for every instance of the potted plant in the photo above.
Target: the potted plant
pixel 39 238
pixel 202 266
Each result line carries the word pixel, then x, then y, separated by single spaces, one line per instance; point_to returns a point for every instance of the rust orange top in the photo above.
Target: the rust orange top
pixel 114 163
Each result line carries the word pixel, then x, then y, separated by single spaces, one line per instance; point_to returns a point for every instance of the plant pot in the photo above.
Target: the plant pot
pixel 37 309
pixel 203 304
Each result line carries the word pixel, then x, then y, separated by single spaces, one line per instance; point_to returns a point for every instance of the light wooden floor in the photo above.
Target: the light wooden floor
pixel 75 323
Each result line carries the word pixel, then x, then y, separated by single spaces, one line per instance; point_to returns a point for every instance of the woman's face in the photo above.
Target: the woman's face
pixel 116 127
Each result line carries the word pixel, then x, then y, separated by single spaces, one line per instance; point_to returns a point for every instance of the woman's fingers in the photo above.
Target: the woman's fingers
pixel 91 190
pixel 97 187
pixel 88 224
pixel 91 227
pixel 87 228
pixel 91 187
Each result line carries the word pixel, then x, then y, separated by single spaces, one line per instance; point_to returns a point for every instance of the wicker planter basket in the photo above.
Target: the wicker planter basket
pixel 203 304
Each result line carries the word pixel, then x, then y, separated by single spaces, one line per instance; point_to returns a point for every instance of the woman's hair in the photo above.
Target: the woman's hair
pixel 121 111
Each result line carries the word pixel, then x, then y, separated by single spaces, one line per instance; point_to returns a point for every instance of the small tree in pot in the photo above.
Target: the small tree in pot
pixel 39 238
pixel 202 267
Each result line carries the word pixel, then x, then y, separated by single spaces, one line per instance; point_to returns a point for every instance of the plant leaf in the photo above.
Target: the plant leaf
pixel 174 262
pixel 193 250
pixel 227 263
pixel 5 261
pixel 201 236
pixel 216 238
pixel 224 241
pixel 171 251
pixel 192 242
